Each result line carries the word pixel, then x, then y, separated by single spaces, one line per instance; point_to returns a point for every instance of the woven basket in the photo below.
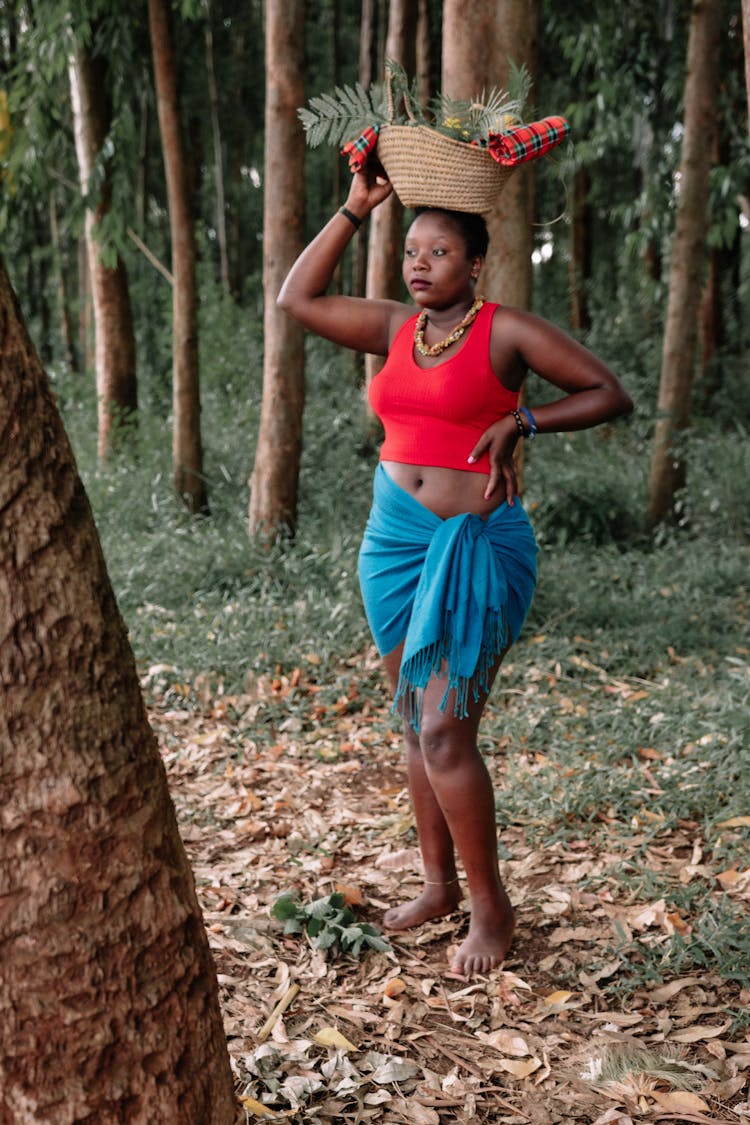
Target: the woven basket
pixel 428 169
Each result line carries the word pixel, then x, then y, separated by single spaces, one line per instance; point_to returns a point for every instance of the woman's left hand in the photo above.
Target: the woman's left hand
pixel 499 441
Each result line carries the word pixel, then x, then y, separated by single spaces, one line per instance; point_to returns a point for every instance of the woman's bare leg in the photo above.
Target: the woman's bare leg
pixel 441 892
pixel 455 805
pixel 463 790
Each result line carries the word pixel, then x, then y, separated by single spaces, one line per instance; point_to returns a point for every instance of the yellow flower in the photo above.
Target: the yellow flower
pixel 452 122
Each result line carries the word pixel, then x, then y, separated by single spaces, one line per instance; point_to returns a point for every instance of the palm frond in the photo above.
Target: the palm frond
pixel 342 115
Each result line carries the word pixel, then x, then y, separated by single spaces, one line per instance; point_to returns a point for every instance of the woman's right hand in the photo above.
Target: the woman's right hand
pixel 368 189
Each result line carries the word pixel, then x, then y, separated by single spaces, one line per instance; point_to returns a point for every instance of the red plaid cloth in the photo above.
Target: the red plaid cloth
pixel 358 151
pixel 528 141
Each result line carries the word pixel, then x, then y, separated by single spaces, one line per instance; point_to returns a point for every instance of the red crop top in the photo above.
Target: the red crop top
pixel 435 415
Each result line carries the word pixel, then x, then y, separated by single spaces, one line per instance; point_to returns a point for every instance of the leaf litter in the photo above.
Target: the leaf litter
pixel 298 788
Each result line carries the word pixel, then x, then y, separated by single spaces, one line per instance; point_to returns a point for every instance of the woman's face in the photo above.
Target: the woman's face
pixel 437 269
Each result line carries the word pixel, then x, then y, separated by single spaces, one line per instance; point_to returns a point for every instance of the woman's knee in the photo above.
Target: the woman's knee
pixel 446 741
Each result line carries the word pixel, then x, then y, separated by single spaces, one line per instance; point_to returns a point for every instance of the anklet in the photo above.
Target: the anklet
pixel 440 882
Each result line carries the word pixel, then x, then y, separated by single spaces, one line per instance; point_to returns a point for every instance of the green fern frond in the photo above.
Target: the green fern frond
pixel 342 115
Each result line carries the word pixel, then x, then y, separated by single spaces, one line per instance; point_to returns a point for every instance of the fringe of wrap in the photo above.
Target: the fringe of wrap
pixel 416 671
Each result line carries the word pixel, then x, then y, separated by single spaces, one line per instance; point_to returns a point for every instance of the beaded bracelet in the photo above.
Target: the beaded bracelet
pixel 519 423
pixel 530 419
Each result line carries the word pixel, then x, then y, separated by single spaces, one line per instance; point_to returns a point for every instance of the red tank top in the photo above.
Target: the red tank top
pixel 435 415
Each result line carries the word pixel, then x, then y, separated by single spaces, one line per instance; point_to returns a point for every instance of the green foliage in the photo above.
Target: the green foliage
pixel 342 115
pixel 493 112
pixel 329 923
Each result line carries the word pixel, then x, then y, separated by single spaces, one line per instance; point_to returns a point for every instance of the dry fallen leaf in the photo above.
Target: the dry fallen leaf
pixel 257 1108
pixel 352 895
pixel 680 1101
pixel 519 1068
pixel 697 1032
pixel 330 1037
pixel 507 1042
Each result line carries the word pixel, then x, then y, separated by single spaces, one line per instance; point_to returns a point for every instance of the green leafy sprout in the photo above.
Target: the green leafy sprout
pixel 329 923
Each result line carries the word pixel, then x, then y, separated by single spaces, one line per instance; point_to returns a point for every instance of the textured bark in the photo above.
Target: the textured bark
pixel 107 988
pixel 668 467
pixel 273 489
pixel 385 250
pixel 187 451
pixel 114 352
pixel 476 56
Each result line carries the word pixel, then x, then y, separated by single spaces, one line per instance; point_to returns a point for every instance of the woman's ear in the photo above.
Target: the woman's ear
pixel 476 267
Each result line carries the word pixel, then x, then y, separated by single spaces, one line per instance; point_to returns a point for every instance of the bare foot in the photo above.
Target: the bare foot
pixel 487 942
pixel 434 901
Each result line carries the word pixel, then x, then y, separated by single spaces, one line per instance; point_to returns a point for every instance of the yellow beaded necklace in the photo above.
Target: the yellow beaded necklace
pixel 456 334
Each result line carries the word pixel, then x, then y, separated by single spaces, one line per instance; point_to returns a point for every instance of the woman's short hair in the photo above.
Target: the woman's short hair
pixel 472 228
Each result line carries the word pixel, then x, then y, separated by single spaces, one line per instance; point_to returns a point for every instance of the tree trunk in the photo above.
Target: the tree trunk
pixel 85 334
pixel 187 452
pixel 366 75
pixel 107 987
pixel 114 349
pixel 425 88
pixel 580 254
pixel 385 249
pixel 66 321
pixel 476 56
pixel 668 467
pixel 213 100
pixel 746 42
pixel 274 483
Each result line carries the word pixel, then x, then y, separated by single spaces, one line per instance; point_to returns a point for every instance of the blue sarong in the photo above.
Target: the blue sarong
pixel 455 590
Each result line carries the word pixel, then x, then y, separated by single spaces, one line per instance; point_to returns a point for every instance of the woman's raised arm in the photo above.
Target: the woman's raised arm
pixel 362 324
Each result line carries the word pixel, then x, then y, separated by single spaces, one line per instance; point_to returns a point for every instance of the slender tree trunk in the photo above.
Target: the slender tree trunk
pixel 580 254
pixel 85 334
pixel 424 53
pixel 367 53
pixel 143 134
pixel 187 451
pixel 107 987
pixel 213 100
pixel 668 466
pixel 114 354
pixel 66 321
pixel 273 489
pixel 385 250
pixel 746 43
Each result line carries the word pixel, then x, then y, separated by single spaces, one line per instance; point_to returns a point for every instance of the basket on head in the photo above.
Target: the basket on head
pixel 428 169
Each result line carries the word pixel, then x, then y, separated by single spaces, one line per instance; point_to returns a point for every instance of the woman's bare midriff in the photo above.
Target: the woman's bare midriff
pixel 446 492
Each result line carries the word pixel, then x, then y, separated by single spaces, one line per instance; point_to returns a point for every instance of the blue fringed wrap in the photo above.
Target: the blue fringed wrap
pixel 455 590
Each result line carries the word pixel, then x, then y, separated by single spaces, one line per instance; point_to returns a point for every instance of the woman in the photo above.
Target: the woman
pixel 448 560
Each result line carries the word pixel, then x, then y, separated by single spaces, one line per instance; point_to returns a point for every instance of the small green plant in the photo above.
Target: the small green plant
pixel 329 923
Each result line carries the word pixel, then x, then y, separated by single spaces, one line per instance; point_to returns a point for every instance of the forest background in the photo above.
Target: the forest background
pixel 649 605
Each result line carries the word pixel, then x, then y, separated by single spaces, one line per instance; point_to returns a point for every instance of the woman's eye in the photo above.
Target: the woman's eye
pixel 438 252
